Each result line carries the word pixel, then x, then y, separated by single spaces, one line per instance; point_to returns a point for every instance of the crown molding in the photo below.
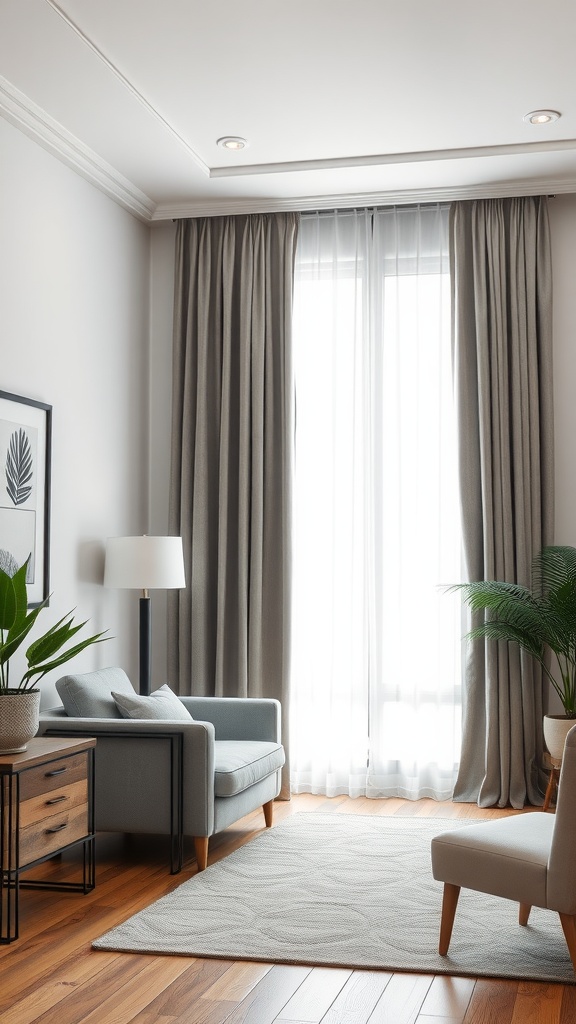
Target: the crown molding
pixel 19 110
pixel 304 204
pixel 386 159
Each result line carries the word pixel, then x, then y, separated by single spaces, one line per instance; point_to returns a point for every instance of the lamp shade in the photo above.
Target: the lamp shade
pixel 144 563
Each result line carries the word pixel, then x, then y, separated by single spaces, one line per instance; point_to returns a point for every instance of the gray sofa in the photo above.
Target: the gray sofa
pixel 174 777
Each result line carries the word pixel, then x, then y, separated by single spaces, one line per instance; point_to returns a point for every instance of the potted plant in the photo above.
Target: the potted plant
pixel 540 620
pixel 19 704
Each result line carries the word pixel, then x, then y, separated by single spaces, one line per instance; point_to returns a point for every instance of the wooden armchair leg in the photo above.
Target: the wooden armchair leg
pixel 524 913
pixel 201 849
pixel 449 904
pixel 568 922
pixel 268 809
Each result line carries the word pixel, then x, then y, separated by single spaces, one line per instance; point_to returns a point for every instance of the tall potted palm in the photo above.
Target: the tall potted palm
pixel 541 620
pixel 19 703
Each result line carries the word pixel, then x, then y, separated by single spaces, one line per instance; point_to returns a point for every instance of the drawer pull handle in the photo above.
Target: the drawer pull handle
pixel 57 828
pixel 57 771
pixel 56 800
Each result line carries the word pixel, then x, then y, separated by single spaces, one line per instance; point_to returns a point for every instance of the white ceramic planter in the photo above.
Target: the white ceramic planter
pixel 19 714
pixel 556 729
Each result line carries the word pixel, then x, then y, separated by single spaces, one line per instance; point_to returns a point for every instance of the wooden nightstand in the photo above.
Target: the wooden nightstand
pixel 46 807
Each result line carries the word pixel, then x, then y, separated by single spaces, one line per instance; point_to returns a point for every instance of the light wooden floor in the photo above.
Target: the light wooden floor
pixel 51 975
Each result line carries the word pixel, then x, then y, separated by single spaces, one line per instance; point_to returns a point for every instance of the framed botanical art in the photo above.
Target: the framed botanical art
pixel 25 459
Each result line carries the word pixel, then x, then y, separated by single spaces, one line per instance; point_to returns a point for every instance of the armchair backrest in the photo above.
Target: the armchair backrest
pixel 561 882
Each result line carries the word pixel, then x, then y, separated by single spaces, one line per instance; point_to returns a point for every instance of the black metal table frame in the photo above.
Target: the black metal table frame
pixel 10 883
pixel 176 779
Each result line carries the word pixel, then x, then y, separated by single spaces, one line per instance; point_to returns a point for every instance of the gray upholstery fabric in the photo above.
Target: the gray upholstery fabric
pixel 89 695
pixel 528 858
pixel 561 875
pixel 161 704
pixel 506 857
pixel 240 764
pixel 133 772
pixel 232 431
pixel 502 316
pixel 235 719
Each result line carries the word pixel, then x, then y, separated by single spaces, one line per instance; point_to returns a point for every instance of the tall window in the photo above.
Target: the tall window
pixel 375 661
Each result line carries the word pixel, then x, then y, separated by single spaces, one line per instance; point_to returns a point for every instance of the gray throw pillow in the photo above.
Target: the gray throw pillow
pixel 89 695
pixel 161 704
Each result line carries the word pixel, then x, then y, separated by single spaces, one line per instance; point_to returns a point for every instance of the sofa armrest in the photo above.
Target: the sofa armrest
pixel 134 771
pixel 238 718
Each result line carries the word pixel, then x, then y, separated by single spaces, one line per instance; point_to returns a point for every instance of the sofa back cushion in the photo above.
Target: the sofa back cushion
pixel 89 695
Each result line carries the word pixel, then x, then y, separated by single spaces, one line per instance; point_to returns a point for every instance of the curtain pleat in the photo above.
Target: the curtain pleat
pixel 229 631
pixel 502 319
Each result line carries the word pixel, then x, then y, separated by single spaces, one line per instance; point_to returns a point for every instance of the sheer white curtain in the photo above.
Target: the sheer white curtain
pixel 375 682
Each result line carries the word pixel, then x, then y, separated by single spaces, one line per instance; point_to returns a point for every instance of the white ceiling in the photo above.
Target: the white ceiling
pixel 342 103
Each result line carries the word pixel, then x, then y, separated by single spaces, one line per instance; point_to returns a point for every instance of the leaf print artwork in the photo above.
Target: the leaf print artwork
pixel 19 467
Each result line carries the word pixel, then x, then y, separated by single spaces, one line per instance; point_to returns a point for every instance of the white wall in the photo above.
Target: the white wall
pixel 74 295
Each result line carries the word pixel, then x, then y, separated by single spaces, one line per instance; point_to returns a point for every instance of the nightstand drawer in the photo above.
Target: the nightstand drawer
pixel 54 775
pixel 47 804
pixel 52 833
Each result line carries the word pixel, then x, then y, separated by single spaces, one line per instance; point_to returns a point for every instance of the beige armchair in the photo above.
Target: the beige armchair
pixel 528 858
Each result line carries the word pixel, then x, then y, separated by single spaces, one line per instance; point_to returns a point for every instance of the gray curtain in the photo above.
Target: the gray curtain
pixel 502 317
pixel 232 435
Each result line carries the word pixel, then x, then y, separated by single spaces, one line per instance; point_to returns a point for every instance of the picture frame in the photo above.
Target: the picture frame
pixel 25 471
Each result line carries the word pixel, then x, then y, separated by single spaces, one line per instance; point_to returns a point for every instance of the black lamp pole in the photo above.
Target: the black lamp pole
pixel 145 644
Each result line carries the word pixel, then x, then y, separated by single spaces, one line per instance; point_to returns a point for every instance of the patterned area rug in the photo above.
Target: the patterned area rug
pixel 347 891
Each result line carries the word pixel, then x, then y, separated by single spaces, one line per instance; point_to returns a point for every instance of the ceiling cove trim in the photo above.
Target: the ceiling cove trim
pixel 19 109
pixel 385 159
pixel 303 204
pixel 130 87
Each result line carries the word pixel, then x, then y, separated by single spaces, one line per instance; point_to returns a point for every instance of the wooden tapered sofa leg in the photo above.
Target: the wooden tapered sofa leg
pixel 449 904
pixel 201 849
pixel 524 913
pixel 568 922
pixel 268 809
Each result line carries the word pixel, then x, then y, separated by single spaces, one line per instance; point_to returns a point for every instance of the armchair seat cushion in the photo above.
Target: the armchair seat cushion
pixel 507 857
pixel 239 764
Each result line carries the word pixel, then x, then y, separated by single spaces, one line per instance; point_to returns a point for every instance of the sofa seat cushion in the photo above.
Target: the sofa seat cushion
pixel 239 764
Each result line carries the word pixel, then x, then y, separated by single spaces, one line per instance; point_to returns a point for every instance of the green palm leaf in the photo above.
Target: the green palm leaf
pixel 537 619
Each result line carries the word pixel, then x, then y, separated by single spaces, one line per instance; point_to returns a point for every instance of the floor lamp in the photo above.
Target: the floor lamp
pixel 144 563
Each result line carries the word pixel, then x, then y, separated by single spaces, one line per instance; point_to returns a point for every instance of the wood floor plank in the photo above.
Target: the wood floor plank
pixel 448 997
pixel 427 1019
pixel 123 1003
pixel 189 987
pixel 237 981
pixel 402 999
pixel 311 1002
pixel 358 998
pixel 263 1004
pixel 62 984
pixel 568 1011
pixel 537 1004
pixel 492 1002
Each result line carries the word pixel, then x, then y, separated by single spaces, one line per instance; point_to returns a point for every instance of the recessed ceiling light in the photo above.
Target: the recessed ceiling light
pixel 232 142
pixel 541 116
